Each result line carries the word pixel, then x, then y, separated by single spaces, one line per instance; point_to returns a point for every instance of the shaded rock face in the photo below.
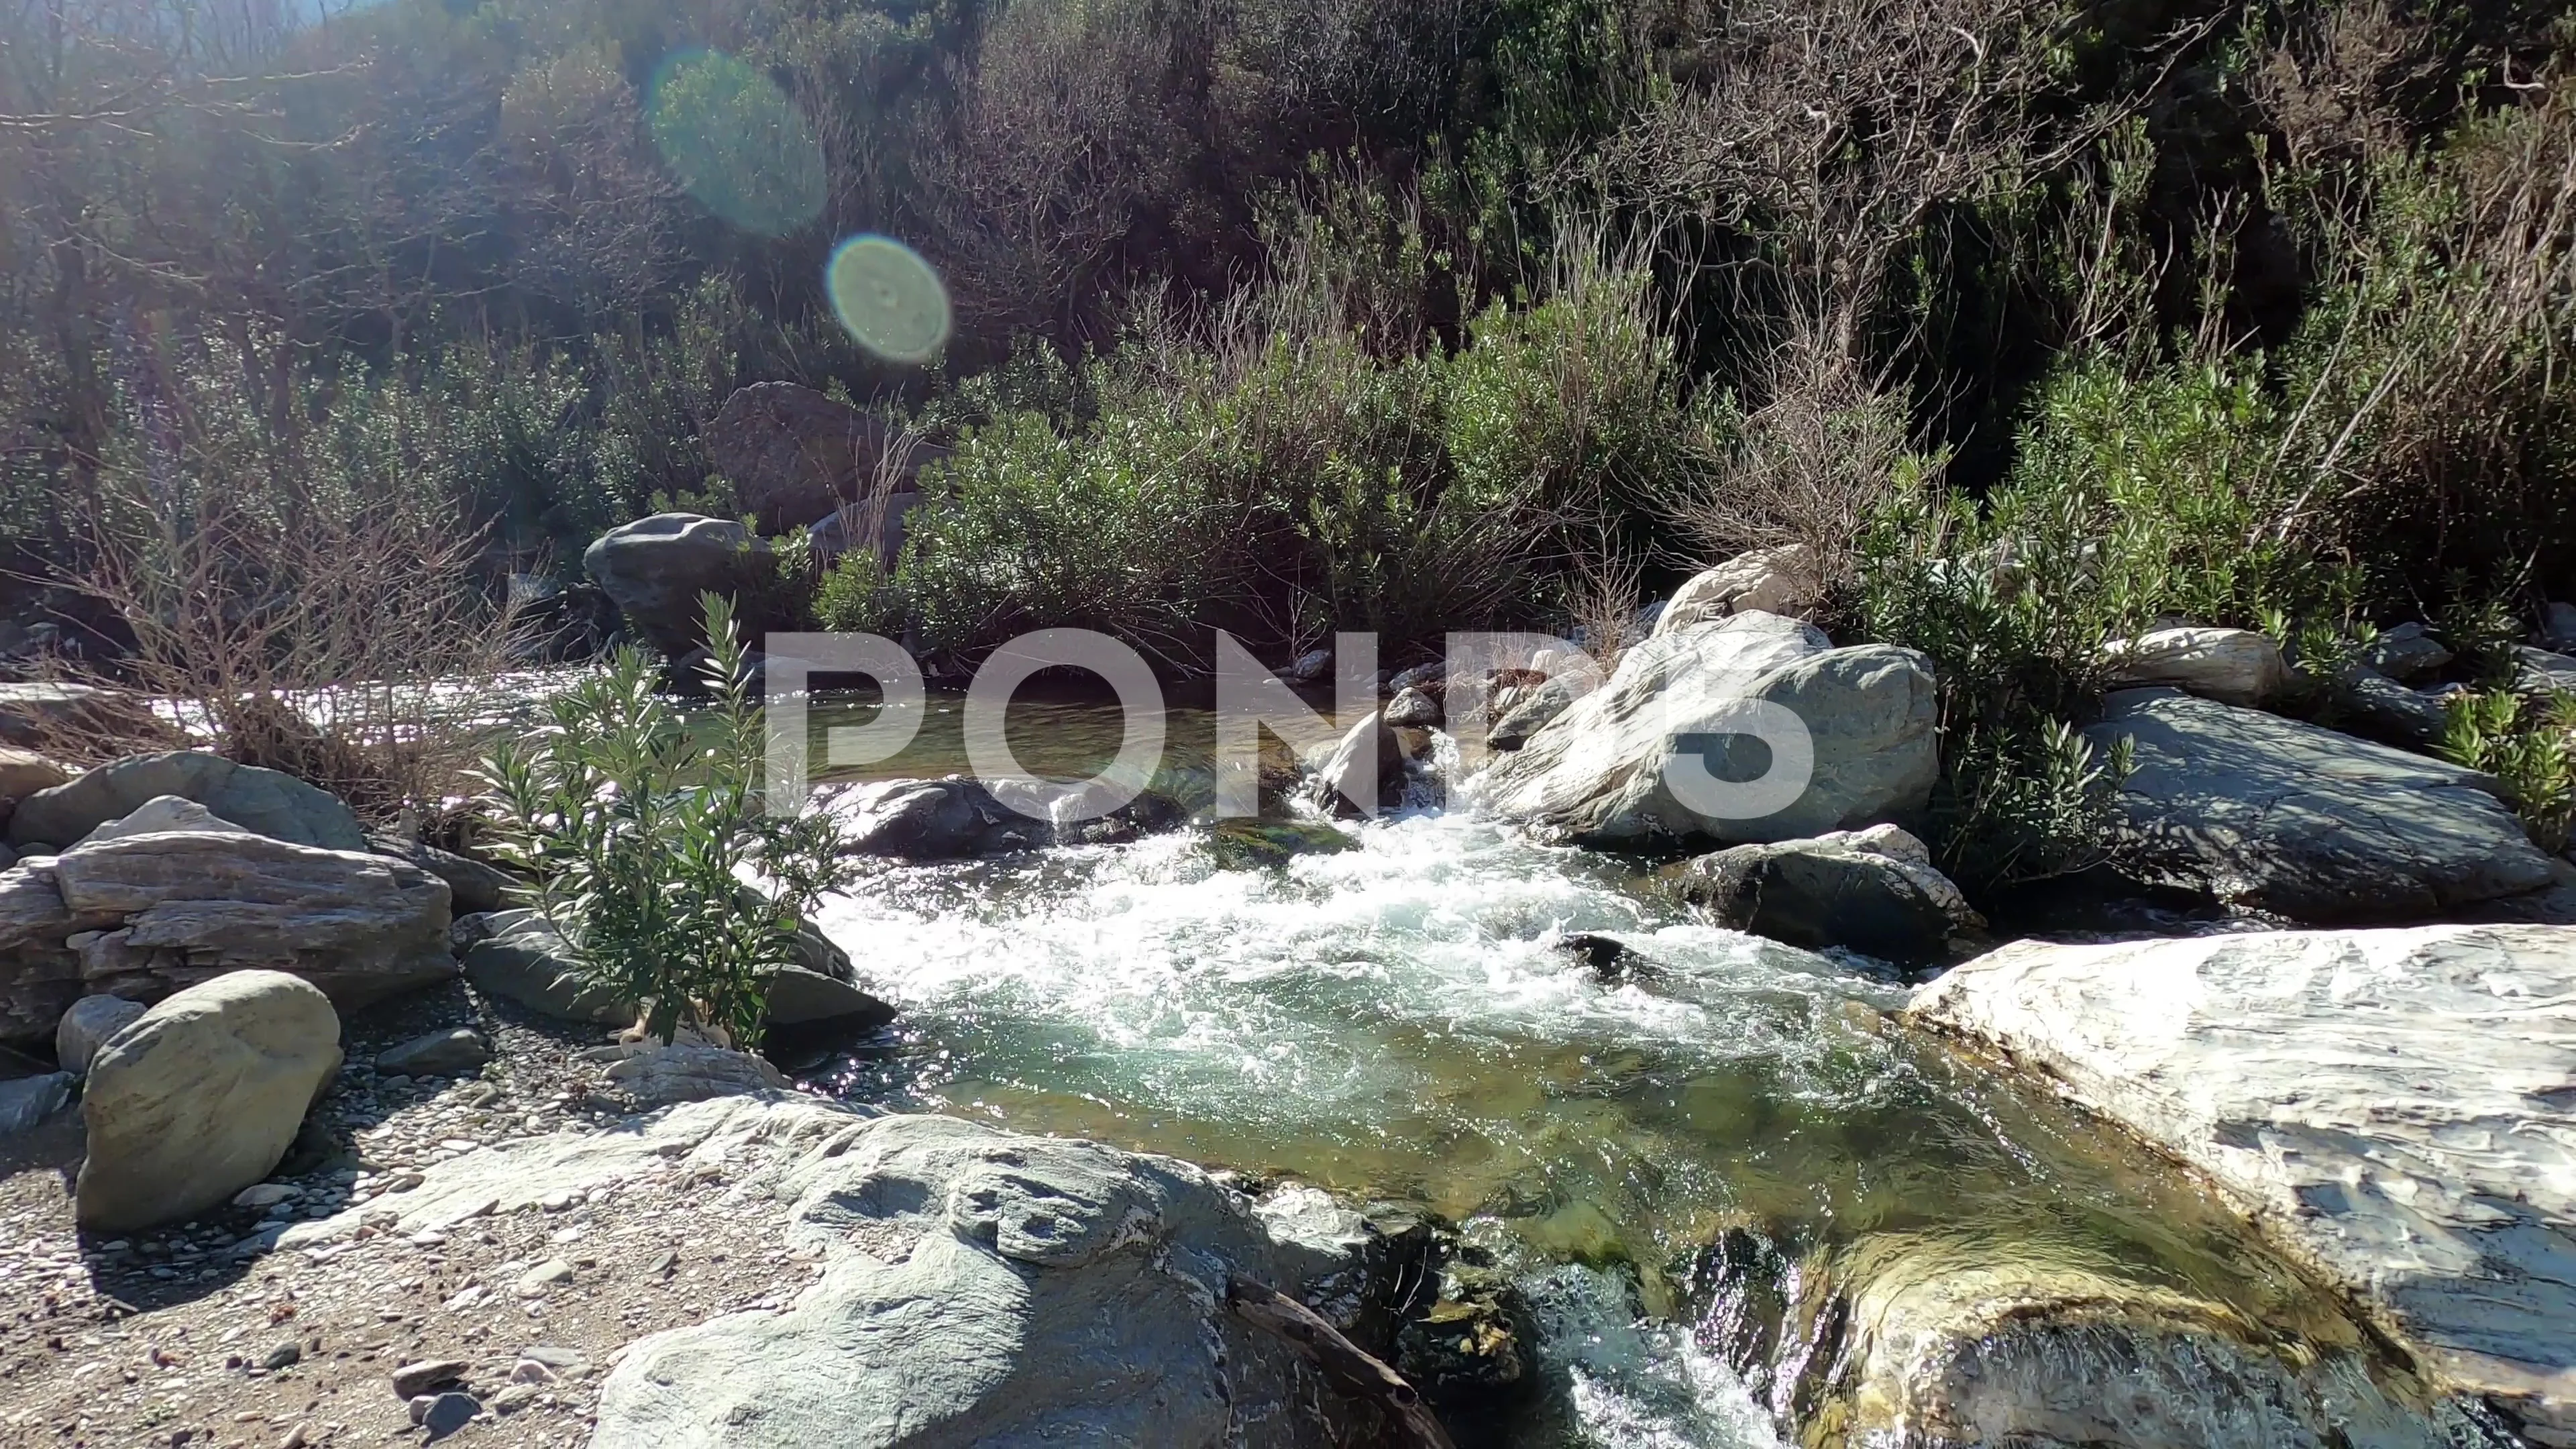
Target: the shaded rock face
pixel 2392 1107
pixel 273 804
pixel 1920 1341
pixel 2406 653
pixel 1529 715
pixel 1598 774
pixel 518 955
pixel 139 912
pixel 87 1026
pixel 24 772
pixel 2234 666
pixel 655 569
pixel 2375 707
pixel 878 527
pixel 1873 891
pixel 988 1288
pixel 474 886
pixel 201 1097
pixel 795 455
pixel 2304 822
pixel 1365 771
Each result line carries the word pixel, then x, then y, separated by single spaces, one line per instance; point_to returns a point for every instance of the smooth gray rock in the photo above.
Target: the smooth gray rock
pixel 2304 822
pixel 2393 1107
pixel 273 804
pixel 1874 891
pixel 160 815
pixel 473 886
pixel 955 818
pixel 1597 774
pixel 1930 1338
pixel 456 1052
pixel 985 1288
pixel 200 1097
pixel 189 905
pixel 658 1075
pixel 2234 666
pixel 89 1025
pixel 2406 653
pixel 2542 671
pixel 1412 708
pixel 521 957
pixel 656 568
pixel 25 1102
pixel 2376 707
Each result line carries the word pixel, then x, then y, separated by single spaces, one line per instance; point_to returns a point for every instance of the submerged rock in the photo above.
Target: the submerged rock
pixel 201 1097
pixel 1924 1341
pixel 2304 822
pixel 1874 891
pixel 1600 773
pixel 2392 1107
pixel 265 801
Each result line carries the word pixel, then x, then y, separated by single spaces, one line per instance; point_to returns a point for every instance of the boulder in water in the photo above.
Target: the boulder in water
pixel 1365 772
pixel 2391 1107
pixel 1602 773
pixel 2304 822
pixel 201 1096
pixel 273 804
pixel 1874 891
pixel 655 570
pixel 955 818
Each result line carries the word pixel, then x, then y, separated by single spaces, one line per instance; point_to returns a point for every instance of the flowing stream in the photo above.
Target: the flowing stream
pixel 1400 1020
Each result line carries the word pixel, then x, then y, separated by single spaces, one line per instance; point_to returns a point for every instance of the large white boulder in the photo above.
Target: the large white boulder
pixel 2392 1107
pixel 1602 773
pixel 200 1097
pixel 2304 822
pixel 1766 580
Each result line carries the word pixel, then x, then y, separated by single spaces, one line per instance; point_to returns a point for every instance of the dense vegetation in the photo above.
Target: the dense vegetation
pixel 2036 320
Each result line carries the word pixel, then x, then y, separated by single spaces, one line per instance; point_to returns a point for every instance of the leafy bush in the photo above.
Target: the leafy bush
pixel 2528 744
pixel 640 825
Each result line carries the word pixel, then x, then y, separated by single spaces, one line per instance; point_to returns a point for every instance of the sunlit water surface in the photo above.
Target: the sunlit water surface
pixel 1399 1020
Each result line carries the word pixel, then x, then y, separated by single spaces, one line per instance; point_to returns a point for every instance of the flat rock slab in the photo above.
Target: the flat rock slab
pixel 2306 823
pixel 984 1287
pixel 2393 1107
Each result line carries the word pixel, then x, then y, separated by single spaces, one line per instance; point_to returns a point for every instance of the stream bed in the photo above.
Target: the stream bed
pixel 1400 1019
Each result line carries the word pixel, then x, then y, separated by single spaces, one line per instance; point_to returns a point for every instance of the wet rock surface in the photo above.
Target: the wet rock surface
pixel 2390 1106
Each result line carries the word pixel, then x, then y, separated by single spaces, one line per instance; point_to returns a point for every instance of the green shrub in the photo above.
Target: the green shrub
pixel 857 596
pixel 2530 745
pixel 639 824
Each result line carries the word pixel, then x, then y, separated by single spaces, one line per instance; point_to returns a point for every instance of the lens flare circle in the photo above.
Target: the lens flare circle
pixel 889 298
